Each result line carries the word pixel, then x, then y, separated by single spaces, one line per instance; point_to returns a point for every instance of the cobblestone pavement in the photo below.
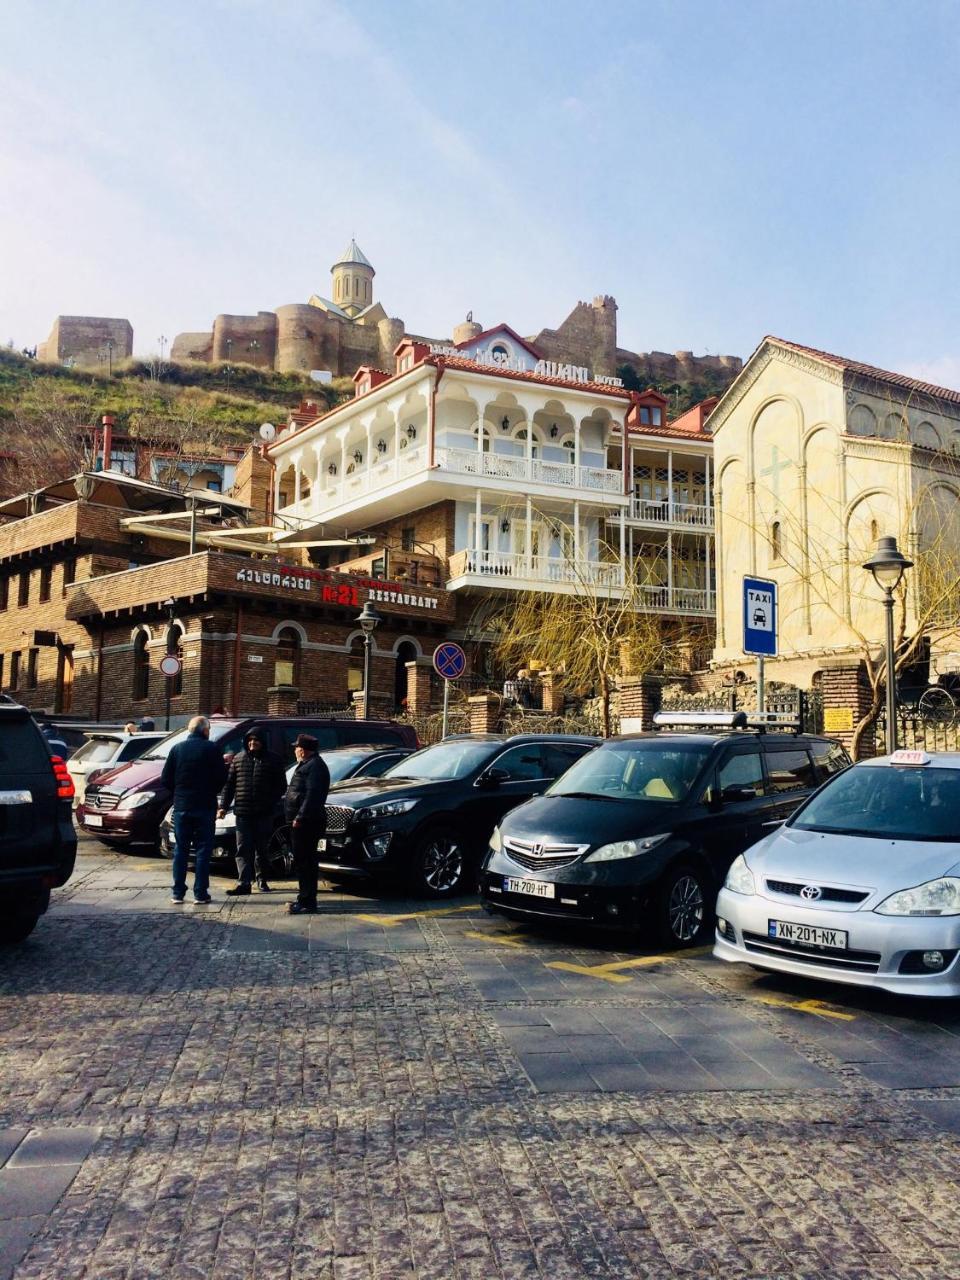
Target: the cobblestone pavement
pixel 392 1089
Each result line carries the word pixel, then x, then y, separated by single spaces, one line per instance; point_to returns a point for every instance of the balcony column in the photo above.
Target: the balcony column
pixel 576 452
pixel 478 526
pixel 576 533
pixel 297 474
pixel 623 547
pixel 528 538
pixel 669 568
pixel 529 445
pixel 396 444
pixel 707 542
pixel 342 474
pixel 670 485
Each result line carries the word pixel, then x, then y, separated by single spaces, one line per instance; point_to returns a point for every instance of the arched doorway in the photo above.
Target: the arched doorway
pixel 406 652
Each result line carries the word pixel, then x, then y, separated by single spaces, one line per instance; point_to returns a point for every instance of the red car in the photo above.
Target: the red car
pixel 126 805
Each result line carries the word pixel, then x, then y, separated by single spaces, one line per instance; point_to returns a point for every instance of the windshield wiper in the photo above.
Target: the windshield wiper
pixel 584 795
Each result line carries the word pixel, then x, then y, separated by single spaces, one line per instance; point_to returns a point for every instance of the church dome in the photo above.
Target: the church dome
pixel 353 256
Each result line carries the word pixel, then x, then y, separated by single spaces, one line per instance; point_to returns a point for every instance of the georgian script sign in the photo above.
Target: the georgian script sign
pixel 327 588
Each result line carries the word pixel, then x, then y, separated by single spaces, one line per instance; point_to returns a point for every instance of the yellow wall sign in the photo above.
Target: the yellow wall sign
pixel 837 720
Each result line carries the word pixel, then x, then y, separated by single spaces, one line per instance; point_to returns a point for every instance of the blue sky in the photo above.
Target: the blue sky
pixel 724 170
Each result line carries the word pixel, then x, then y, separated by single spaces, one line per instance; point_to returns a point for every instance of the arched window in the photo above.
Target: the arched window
pixel 286 667
pixel 141 667
pixel 355 667
pixel 175 645
pixel 776 541
pixel 486 437
pixel 521 435
pixel 874 531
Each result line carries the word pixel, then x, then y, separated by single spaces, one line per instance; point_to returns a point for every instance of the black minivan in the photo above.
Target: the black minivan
pixel 640 833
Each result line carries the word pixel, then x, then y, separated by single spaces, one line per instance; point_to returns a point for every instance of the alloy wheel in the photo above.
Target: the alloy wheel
pixel 685 908
pixel 442 864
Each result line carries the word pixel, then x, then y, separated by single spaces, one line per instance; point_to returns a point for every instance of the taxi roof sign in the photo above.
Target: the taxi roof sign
pixel 909 757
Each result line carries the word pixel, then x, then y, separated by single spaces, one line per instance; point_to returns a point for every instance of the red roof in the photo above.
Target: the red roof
pixel 692 422
pixel 502 328
pixel 867 370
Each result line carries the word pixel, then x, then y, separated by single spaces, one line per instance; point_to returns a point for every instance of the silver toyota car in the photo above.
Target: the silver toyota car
pixel 861 885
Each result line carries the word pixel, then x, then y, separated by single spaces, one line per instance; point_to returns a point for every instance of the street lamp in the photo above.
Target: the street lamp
pixel 888 564
pixel 369 620
pixel 170 605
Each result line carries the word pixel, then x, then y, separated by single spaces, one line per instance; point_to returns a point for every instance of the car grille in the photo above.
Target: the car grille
pixel 826 893
pixel 534 854
pixel 100 801
pixel 338 817
pixel 857 961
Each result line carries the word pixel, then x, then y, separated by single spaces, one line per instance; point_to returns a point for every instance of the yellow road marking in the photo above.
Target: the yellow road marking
pixel 389 922
pixel 818 1008
pixel 611 972
pixel 498 939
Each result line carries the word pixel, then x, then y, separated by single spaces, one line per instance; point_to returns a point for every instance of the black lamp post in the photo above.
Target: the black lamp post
pixel 369 620
pixel 170 605
pixel 888 564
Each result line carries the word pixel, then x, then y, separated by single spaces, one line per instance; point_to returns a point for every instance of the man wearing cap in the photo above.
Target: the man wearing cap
pixel 304 807
pixel 255 786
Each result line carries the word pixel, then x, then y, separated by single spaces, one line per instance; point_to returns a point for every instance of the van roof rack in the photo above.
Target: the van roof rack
pixel 759 721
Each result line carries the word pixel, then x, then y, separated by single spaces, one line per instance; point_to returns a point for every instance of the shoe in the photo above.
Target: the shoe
pixel 238 891
pixel 177 898
pixel 298 909
pixel 263 887
pixel 202 902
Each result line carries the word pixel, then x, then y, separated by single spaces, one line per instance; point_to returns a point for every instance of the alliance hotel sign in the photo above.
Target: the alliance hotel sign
pixel 333 589
pixel 520 364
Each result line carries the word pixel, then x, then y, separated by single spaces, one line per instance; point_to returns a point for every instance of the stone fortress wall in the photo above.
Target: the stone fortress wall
pixel 85 340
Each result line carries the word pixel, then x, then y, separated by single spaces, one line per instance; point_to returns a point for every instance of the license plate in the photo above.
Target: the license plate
pixel 535 888
pixel 813 935
pixel 93 820
pixel 322 845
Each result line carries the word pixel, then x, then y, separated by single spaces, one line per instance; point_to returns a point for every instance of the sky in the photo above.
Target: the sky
pixel 725 170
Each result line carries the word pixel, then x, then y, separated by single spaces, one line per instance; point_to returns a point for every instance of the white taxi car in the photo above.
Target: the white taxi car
pixel 861 885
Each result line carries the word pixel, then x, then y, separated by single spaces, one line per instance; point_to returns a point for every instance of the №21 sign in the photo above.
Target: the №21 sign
pixel 341 593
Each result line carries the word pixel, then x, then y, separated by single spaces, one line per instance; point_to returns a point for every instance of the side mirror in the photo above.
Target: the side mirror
pixel 492 777
pixel 730 795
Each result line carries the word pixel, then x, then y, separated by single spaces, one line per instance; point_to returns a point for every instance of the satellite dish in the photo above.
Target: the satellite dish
pixel 321 375
pixel 268 431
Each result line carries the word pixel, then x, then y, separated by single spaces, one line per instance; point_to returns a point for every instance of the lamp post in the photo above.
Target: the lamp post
pixel 888 564
pixel 369 620
pixel 170 605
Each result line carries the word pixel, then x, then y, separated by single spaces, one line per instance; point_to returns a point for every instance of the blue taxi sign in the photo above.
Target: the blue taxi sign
pixel 760 617
pixel 449 660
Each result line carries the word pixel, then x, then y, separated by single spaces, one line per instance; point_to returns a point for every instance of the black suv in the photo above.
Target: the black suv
pixel 38 846
pixel 428 820
pixel 641 832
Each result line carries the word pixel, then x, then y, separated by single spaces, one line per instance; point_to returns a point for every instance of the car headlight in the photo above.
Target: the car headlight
pixel 137 800
pixel 935 898
pixel 740 877
pixel 496 841
pixel 387 809
pixel 626 848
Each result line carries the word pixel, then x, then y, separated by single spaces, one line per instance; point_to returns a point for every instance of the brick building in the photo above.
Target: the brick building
pixel 101 575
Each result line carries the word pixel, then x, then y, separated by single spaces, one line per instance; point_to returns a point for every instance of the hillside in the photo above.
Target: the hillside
pixel 681 396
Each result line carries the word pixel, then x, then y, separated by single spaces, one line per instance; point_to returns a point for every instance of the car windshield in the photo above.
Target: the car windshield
pixel 638 770
pixel 453 759
pixel 339 763
pixel 900 803
pixel 96 751
pixel 219 730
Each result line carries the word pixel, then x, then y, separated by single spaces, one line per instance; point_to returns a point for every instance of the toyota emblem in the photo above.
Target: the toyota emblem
pixel 811 892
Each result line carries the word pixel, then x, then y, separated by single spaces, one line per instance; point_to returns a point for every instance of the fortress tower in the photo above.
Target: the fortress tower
pixel 352 280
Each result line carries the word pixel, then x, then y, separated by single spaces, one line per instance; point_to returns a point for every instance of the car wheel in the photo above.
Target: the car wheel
pixel 682 907
pixel 280 854
pixel 18 920
pixel 441 863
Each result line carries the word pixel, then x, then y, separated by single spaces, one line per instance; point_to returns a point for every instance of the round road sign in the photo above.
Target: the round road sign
pixel 449 660
pixel 170 664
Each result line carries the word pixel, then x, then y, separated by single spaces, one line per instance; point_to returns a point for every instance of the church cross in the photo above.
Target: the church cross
pixel 777 464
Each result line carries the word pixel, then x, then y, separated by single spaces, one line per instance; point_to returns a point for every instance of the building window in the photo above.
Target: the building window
pixel 408 538
pixel 656 416
pixel 485 446
pixel 23 590
pixel 46 573
pixel 521 435
pixel 33 656
pixel 175 645
pixel 355 667
pixel 776 541
pixel 874 531
pixel 645 415
pixel 69 570
pixel 4 593
pixel 14 672
pixel 286 667
pixel 141 667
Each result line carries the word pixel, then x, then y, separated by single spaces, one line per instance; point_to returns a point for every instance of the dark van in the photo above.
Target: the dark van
pixel 639 834
pixel 126 805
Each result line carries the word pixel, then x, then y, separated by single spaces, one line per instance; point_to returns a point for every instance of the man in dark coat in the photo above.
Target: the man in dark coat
pixel 304 807
pixel 195 772
pixel 255 786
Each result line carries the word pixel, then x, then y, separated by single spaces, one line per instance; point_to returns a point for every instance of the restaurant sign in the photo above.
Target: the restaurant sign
pixel 330 588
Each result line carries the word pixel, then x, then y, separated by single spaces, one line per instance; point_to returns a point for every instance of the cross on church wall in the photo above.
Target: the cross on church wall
pixel 777 465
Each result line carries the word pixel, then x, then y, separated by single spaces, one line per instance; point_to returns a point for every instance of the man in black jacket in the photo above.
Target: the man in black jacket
pixel 255 786
pixel 194 771
pixel 304 807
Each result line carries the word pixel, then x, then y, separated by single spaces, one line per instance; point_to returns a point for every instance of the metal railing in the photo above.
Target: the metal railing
pixel 501 466
pixel 697 515
pixel 538 569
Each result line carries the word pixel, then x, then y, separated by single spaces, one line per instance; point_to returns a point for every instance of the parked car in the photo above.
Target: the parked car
pixel 639 835
pixel 427 821
pixel 102 750
pixel 343 762
pixel 126 804
pixel 862 884
pixel 38 845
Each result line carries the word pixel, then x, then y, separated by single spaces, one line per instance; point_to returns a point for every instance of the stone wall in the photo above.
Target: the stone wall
pixel 681 366
pixel 588 336
pixel 246 339
pixel 192 346
pixel 84 339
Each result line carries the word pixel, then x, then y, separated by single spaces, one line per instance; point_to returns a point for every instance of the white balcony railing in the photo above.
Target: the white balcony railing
pixel 500 466
pixel 695 515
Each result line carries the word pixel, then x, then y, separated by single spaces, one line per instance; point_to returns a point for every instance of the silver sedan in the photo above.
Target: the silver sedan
pixel 861 885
